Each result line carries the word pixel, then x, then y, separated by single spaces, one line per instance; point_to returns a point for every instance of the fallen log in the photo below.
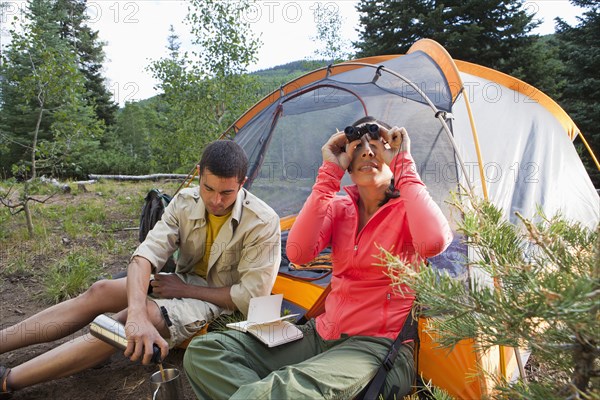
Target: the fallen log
pixel 61 186
pixel 88 182
pixel 153 177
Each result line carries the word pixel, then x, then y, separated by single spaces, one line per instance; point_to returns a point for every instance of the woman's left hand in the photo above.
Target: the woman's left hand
pixel 397 140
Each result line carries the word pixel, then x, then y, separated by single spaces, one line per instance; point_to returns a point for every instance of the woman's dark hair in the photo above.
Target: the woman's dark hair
pixel 391 192
pixel 226 159
pixel 370 120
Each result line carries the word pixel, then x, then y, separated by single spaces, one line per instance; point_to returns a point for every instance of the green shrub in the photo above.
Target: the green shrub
pixel 72 275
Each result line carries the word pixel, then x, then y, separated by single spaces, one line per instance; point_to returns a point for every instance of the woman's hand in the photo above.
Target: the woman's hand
pixel 336 150
pixel 397 140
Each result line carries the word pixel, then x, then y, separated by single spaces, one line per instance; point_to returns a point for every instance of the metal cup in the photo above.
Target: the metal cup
pixel 169 389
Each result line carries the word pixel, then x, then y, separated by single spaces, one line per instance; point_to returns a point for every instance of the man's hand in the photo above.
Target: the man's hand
pixel 141 337
pixel 168 286
pixel 336 151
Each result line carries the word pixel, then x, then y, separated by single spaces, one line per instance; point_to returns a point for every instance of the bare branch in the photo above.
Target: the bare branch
pixel 7 138
pixel 17 211
pixel 8 204
pixel 42 201
pixel 8 194
pixel 12 206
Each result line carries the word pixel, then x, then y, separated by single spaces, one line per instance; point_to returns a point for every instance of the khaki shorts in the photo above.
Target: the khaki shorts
pixel 187 316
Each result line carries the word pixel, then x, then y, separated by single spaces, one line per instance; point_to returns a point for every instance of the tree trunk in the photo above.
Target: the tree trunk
pixel 584 359
pixel 35 136
pixel 28 218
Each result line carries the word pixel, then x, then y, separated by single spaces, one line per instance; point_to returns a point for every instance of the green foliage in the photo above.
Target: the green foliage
pixel 427 391
pixel 580 52
pixel 76 132
pixel 199 103
pixel 224 36
pixel 545 295
pixel 539 65
pixel 18 266
pixel 72 275
pixel 329 26
pixel 89 52
pixel 136 124
pixel 220 324
pixel 493 33
pixel 43 111
pixel 482 30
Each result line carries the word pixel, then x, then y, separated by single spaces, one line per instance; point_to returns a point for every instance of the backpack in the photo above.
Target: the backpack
pixel 152 211
pixel 154 206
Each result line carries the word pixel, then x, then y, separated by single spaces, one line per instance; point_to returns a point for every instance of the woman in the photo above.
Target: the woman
pixel 388 207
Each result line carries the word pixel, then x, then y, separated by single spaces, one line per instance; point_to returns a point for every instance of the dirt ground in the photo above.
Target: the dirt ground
pixel 115 379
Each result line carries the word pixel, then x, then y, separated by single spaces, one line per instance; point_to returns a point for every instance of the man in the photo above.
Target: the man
pixel 229 251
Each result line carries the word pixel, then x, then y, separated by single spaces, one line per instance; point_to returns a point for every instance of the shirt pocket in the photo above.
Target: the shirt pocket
pixel 393 312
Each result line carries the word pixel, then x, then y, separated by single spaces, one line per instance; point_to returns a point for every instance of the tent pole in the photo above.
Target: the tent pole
pixel 502 358
pixel 589 149
pixel 520 365
pixel 437 113
pixel 477 148
pixel 460 160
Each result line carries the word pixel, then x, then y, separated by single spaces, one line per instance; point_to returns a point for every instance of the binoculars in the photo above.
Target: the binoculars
pixel 355 133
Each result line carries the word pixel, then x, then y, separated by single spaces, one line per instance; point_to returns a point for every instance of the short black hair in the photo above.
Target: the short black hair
pixel 226 159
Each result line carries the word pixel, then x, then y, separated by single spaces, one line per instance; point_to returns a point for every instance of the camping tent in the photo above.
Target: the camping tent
pixel 471 128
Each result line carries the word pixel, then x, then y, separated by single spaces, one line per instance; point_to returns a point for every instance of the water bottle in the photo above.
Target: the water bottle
pixel 113 333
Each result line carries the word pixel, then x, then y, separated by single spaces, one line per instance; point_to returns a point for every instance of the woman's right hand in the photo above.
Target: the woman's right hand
pixel 336 150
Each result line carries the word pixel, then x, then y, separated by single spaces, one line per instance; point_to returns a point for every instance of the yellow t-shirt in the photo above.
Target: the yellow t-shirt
pixel 213 226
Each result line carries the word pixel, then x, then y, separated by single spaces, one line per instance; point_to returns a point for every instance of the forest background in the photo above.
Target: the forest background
pixel 58 118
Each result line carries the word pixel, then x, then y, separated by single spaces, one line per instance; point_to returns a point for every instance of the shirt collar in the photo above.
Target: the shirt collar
pixel 199 212
pixel 352 191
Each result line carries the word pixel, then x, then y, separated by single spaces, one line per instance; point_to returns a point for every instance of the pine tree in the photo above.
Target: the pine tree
pixel 580 52
pixel 90 55
pixel 493 33
pixel 29 55
pixel 545 297
pixel 43 113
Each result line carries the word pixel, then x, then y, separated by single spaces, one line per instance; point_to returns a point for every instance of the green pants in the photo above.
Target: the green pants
pixel 235 365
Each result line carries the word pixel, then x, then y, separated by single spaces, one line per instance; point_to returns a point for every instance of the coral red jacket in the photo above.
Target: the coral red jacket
pixel 361 301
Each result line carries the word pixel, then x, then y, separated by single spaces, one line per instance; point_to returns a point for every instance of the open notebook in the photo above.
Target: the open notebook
pixel 264 321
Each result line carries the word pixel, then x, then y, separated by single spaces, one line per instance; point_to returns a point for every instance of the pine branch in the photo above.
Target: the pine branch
pixel 544 295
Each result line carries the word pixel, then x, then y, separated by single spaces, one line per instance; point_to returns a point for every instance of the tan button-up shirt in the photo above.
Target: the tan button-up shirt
pixel 245 254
